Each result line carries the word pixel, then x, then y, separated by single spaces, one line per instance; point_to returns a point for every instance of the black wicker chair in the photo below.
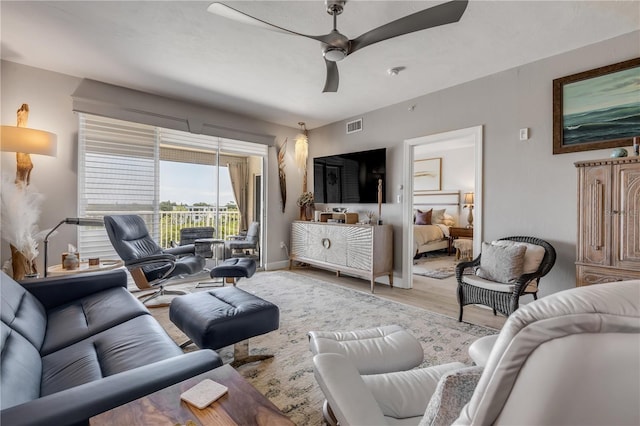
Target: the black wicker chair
pixel 507 300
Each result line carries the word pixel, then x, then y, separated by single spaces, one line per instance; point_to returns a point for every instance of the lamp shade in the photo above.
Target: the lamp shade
pixel 28 141
pixel 468 198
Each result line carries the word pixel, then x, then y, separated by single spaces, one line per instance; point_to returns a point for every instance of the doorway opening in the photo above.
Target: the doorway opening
pixel 440 196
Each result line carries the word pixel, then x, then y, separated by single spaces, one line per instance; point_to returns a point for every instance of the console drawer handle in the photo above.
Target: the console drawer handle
pixel 326 243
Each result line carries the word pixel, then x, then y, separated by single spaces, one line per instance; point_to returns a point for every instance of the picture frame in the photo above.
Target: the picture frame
pixel 427 174
pixel 591 109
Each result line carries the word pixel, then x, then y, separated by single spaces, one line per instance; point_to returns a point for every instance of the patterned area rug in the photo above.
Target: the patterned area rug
pixel 310 304
pixel 435 265
pixel 439 273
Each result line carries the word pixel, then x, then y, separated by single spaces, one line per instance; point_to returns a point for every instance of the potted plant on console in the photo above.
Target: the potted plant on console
pixel 307 206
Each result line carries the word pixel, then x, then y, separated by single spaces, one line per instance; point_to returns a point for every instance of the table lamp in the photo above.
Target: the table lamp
pixel 468 203
pixel 78 221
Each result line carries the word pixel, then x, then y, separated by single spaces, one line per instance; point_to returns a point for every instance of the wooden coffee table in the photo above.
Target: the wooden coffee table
pixel 242 405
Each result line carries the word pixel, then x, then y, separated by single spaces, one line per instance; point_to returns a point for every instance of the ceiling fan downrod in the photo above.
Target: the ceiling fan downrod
pixel 337 48
pixel 334 7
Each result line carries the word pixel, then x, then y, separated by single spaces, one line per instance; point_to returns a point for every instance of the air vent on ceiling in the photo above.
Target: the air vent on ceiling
pixel 354 126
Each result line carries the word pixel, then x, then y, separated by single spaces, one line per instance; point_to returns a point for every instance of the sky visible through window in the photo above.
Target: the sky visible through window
pixel 185 183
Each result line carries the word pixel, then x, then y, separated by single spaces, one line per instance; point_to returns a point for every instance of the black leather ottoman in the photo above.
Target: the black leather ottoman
pixel 231 270
pixel 222 317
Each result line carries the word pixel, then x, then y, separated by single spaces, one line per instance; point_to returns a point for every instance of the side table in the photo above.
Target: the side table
pixel 213 243
pixel 105 265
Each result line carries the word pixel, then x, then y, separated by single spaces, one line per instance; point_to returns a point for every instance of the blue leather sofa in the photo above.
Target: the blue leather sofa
pixel 75 346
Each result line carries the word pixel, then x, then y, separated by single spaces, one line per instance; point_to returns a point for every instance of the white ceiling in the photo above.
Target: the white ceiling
pixel 177 49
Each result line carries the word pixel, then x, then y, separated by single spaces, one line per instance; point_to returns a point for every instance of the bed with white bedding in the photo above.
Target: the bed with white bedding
pixel 444 207
pixel 428 238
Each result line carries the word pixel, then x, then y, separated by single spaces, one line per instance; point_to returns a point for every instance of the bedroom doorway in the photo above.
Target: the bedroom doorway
pixel 439 195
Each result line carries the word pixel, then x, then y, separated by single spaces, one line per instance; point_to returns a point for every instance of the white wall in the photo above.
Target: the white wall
pixel 458 167
pixel 50 109
pixel 527 189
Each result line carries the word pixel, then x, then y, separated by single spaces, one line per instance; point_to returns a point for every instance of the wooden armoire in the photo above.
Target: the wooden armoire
pixel 608 246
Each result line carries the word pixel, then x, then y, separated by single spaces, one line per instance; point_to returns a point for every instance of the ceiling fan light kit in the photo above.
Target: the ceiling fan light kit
pixel 336 46
pixel 334 54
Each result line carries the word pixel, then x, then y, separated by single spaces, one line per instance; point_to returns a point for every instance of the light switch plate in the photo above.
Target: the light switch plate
pixel 524 134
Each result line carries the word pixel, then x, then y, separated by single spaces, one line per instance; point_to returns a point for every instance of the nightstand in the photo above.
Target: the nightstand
pixel 459 233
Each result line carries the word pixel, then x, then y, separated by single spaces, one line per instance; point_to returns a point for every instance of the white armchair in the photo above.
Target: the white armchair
pixel 570 358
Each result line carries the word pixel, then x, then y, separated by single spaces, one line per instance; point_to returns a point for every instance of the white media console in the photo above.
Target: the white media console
pixel 364 251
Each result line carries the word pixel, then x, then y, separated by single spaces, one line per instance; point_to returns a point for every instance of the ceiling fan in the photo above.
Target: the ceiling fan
pixel 336 46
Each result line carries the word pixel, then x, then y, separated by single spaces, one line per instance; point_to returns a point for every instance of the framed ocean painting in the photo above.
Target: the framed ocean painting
pixel 597 109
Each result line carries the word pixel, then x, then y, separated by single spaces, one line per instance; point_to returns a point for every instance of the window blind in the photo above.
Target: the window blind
pixel 189 141
pixel 117 173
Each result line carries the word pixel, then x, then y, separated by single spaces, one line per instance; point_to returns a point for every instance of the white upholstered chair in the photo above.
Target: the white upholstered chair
pixel 569 358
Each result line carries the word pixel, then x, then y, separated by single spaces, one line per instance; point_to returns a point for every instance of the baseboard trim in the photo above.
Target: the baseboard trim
pixel 283 264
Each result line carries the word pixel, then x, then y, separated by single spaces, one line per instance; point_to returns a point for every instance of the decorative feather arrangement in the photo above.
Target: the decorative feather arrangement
pixel 20 209
pixel 282 150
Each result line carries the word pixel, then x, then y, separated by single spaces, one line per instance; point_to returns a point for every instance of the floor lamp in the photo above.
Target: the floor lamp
pixel 78 221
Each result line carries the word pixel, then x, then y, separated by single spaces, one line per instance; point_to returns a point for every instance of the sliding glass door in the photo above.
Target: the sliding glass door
pixel 172 179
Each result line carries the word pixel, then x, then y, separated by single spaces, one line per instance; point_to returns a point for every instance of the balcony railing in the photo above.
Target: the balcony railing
pixel 171 222
pixel 94 242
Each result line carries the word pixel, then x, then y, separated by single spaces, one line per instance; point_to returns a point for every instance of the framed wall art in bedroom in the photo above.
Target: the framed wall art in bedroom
pixel 597 109
pixel 427 174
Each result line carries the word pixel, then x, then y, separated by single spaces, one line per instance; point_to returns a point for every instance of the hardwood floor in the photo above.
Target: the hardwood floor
pixel 435 295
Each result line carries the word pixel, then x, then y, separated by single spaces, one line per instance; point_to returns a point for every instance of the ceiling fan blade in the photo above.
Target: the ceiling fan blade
pixel 442 14
pixel 235 15
pixel 333 78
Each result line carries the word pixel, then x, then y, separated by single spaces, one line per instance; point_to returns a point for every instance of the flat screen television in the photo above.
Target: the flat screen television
pixel 350 178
